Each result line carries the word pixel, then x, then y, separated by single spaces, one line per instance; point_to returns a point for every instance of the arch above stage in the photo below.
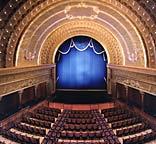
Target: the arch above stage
pixel 131 33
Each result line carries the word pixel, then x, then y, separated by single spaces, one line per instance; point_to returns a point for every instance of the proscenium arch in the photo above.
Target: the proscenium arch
pixel 87 57
pixel 59 24
pixel 112 46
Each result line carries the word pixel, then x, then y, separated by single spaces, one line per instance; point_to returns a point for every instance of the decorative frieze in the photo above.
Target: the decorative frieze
pixel 16 79
pixel 143 79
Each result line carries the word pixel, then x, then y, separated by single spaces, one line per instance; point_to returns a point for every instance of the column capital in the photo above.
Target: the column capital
pixel 142 93
pixel 20 92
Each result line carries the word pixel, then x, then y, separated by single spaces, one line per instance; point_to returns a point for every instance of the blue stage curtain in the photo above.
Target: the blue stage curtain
pixel 81 64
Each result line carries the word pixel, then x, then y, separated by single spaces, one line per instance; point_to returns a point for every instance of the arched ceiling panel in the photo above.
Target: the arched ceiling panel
pixel 130 23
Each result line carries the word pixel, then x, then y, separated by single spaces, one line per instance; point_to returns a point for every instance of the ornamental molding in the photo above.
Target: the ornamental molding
pixel 87 11
pixel 137 78
pixel 84 27
pixel 131 10
pixel 17 79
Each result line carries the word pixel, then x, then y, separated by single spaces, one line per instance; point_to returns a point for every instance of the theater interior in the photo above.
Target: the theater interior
pixel 77 71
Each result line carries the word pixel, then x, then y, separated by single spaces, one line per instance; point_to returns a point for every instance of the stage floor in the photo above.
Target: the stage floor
pixel 80 97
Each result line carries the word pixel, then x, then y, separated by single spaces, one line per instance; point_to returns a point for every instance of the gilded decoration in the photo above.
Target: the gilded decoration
pixel 138 78
pixel 86 11
pixel 129 10
pixel 89 28
pixel 126 42
pixel 16 79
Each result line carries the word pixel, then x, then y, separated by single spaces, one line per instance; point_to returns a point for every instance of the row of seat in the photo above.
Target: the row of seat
pixel 84 116
pixel 113 109
pixel 81 127
pixel 113 112
pixel 78 111
pixel 119 117
pixel 131 130
pixel 81 142
pixel 49 113
pixel 51 109
pixel 126 122
pixel 43 124
pixel 140 139
pixel 42 117
pixel 29 129
pixel 81 135
pixel 80 121
pixel 19 138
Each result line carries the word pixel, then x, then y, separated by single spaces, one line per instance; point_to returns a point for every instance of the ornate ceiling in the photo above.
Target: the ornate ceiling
pixel 32 31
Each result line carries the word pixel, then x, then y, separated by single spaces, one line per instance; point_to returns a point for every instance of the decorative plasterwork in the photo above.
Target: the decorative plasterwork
pixel 137 78
pixel 85 11
pixel 88 28
pixel 131 10
pixel 16 79
pixel 123 31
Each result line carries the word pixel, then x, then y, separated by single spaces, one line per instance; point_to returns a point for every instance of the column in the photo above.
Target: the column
pixel 36 96
pixel 20 97
pixel 142 100
pixel 126 93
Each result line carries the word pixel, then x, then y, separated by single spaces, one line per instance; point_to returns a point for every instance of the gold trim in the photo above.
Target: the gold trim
pixel 83 27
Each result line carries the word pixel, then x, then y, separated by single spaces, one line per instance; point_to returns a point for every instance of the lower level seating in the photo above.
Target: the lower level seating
pixel 129 127
pixel 19 138
pixel 31 129
pixel 110 126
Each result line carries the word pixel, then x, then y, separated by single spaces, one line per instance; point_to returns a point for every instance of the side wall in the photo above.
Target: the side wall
pixel 20 87
pixel 134 86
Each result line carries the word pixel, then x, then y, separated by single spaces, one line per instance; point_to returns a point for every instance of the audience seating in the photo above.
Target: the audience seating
pixel 33 123
pixel 42 117
pixel 140 139
pixel 29 129
pixel 128 126
pixel 19 138
pixel 131 130
pixel 44 124
pixel 80 127
pixel 119 117
pixel 126 122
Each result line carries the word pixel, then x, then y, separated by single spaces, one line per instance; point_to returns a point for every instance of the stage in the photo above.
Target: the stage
pixel 80 97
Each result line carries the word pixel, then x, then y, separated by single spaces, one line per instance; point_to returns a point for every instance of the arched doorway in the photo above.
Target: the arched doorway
pixel 81 64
